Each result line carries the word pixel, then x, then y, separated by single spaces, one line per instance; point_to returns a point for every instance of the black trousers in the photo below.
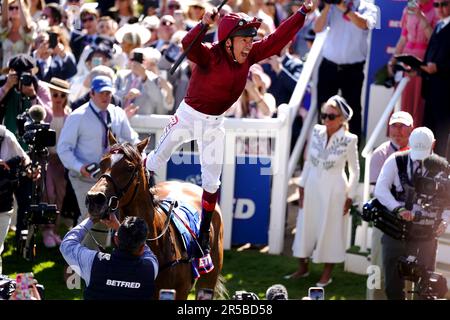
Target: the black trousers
pixel 349 79
pixel 392 250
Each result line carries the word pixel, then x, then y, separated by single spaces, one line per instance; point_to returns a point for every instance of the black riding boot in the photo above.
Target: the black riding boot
pixel 203 238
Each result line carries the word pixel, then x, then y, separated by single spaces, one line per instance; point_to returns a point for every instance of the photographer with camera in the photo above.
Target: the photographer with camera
pixel 13 160
pixel 345 52
pixel 129 272
pixel 397 189
pixel 20 91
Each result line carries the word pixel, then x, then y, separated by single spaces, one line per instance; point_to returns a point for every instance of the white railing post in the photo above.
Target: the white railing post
pixel 279 182
pixel 297 96
pixel 227 190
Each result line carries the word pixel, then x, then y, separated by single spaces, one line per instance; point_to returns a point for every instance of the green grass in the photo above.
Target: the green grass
pixel 246 270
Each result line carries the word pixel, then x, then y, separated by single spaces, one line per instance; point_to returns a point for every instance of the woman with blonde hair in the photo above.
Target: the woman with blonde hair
pixel 326 192
pixel 17 29
pixel 126 12
pixel 36 7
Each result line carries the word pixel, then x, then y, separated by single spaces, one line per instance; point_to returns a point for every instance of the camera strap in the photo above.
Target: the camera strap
pixel 106 125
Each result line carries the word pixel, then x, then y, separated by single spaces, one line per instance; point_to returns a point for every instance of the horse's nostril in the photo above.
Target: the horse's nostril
pixel 96 198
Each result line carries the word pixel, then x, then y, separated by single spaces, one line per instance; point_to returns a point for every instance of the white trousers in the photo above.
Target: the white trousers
pixel 186 125
pixel 5 220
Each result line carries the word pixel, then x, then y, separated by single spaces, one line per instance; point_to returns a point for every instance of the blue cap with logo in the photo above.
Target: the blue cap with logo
pixel 101 84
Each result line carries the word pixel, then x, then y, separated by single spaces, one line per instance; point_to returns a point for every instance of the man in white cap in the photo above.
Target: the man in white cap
pixel 398 176
pixel 400 127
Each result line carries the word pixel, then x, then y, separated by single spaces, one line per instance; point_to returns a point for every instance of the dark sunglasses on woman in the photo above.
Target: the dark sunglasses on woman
pixel 330 116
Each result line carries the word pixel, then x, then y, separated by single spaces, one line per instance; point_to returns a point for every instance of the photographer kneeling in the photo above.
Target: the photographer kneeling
pixel 129 272
pixel 398 188
pixel 13 160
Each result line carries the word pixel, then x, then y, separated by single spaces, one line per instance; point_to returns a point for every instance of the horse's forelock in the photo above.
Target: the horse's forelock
pixel 128 150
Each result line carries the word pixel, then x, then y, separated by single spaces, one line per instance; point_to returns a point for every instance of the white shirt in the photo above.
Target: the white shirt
pixel 81 139
pixel 10 147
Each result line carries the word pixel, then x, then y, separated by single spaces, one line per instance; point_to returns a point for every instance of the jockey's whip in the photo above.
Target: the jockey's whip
pixel 185 52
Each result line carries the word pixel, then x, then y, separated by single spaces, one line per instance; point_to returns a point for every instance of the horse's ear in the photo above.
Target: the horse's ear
pixel 112 139
pixel 142 145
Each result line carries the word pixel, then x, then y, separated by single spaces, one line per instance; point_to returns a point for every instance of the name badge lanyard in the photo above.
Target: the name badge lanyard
pixel 106 125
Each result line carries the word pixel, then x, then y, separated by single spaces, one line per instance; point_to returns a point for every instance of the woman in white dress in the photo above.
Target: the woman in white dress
pixel 326 192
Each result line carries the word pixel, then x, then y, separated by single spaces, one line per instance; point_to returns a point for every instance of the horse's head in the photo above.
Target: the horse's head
pixel 121 168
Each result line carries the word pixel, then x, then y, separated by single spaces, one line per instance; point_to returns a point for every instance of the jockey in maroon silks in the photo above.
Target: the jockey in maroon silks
pixel 218 79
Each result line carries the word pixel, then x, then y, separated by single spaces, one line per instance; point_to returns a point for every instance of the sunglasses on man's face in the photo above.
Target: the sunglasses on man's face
pixel 173 6
pixel 60 95
pixel 330 116
pixel 166 23
pixel 440 4
pixel 84 20
pixel 11 8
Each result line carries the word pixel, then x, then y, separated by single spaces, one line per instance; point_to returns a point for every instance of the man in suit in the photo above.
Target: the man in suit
pixel 436 83
pixel 79 40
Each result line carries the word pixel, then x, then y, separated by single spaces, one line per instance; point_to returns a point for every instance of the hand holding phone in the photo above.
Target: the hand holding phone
pixel 138 57
pixel 316 293
pixel 24 282
pixel 167 294
pixel 205 294
pixel 52 40
pixel 93 169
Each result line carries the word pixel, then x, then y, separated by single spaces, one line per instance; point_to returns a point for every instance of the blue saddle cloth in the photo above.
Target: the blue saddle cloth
pixel 185 214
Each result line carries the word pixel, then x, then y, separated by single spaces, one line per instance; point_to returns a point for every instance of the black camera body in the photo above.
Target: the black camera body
pixel 26 79
pixel 42 213
pixel 12 175
pixel 333 1
pixel 244 295
pixel 37 135
pixel 429 284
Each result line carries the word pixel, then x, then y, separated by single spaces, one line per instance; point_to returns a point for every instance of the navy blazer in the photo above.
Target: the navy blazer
pixel 60 68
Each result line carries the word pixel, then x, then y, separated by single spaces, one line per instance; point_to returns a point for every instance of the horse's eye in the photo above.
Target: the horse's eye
pixel 130 168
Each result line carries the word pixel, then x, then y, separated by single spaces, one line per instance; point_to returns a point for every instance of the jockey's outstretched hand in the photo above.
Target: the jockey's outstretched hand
pixel 308 4
pixel 210 17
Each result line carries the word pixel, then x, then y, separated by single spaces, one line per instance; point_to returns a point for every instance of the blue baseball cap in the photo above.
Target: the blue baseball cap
pixel 102 84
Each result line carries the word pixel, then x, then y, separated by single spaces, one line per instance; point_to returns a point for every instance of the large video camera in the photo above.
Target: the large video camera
pixel 428 284
pixel 38 136
pixel 430 193
pixel 33 131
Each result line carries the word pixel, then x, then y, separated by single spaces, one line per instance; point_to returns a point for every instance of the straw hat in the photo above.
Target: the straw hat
pixel 59 85
pixel 143 33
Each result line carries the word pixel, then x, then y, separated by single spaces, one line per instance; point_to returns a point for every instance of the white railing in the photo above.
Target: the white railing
pixel 369 147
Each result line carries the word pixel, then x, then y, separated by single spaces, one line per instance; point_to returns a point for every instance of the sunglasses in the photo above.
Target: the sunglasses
pixel 173 6
pixel 330 116
pixel 87 19
pixel 440 4
pixel 60 94
pixel 270 3
pixel 198 7
pixel 11 8
pixel 166 23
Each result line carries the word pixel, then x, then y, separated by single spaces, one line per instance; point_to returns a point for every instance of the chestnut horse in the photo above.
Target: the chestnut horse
pixel 124 186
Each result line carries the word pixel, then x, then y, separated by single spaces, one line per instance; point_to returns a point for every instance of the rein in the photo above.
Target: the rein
pixel 167 223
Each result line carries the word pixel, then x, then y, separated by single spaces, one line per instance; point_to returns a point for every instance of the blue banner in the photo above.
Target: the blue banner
pixel 252 192
pixel 384 40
